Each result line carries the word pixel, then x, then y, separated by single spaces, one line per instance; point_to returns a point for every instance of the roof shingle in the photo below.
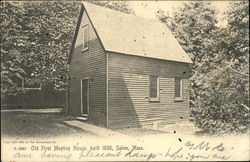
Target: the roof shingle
pixel 130 34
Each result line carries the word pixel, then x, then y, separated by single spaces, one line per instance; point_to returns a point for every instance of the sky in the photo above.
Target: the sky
pixel 149 8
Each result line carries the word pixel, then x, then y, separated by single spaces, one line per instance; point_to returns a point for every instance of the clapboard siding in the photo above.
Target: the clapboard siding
pixel 128 91
pixel 90 63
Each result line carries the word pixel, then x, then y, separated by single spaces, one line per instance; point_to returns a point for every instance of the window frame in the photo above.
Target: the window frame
pixel 83 37
pixel 181 86
pixel 157 98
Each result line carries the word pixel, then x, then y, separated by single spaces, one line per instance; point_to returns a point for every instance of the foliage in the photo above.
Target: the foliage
pixel 121 6
pixel 220 75
pixel 11 46
pixel 36 41
pixel 222 105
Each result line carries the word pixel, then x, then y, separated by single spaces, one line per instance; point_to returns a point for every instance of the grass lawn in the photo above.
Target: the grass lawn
pixel 32 125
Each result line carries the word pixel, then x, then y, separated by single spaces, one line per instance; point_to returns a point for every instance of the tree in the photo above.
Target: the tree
pixel 35 43
pixel 13 42
pixel 226 108
pixel 121 6
pixel 220 76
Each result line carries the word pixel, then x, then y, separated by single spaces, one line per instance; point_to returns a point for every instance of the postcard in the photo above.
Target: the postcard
pixel 124 81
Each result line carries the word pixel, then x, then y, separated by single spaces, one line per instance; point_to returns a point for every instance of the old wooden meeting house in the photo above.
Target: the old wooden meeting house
pixel 126 71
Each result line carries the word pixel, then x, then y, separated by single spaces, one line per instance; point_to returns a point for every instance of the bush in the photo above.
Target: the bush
pixel 223 104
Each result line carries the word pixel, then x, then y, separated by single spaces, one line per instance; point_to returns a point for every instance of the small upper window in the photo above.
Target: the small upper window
pixel 178 88
pixel 85 37
pixel 154 88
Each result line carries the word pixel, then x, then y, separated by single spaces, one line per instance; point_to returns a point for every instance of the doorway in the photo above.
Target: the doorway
pixel 85 97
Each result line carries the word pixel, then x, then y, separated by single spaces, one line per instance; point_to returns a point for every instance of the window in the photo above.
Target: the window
pixel 154 88
pixel 178 88
pixel 85 37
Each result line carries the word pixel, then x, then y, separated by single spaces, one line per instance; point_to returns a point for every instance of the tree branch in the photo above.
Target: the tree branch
pixel 237 71
pixel 245 106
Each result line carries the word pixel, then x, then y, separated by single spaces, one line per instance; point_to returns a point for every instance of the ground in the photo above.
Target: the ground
pixel 187 128
pixel 46 126
pixel 34 124
pixel 48 123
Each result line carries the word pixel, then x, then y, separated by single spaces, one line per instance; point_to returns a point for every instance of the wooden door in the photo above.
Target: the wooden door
pixel 85 96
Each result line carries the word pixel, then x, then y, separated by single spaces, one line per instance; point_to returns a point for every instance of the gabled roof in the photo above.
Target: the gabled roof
pixel 133 35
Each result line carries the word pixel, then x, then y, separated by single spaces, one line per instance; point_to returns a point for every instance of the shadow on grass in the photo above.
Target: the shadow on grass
pixel 41 125
pixel 201 133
